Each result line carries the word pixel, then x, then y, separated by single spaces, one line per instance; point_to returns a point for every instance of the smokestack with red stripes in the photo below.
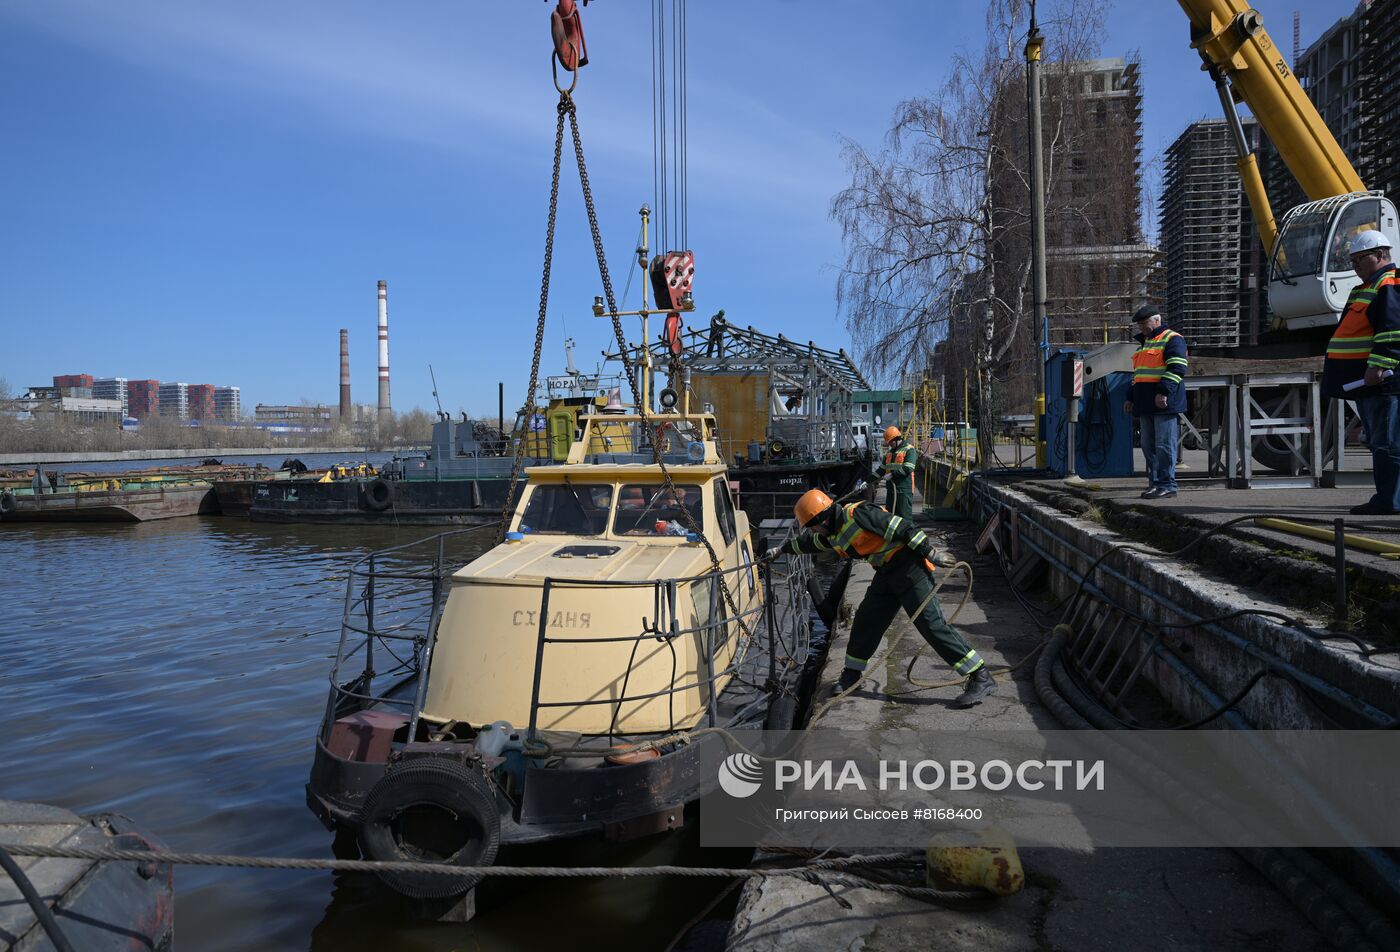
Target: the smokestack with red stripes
pixel 344 375
pixel 384 411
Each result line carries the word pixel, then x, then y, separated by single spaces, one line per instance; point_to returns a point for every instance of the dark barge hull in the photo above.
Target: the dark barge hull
pixel 768 490
pixel 424 502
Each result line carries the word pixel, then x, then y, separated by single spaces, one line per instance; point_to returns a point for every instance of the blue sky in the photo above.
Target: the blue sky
pixel 207 191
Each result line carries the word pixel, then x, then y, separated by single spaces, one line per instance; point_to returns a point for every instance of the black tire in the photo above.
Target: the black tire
pixel 379 495
pixel 7 503
pixel 431 810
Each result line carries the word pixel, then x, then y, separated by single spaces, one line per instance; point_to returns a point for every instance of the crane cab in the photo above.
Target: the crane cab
pixel 1310 275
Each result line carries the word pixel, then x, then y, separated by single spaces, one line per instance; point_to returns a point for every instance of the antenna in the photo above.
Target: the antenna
pixel 1295 41
pixel 433 377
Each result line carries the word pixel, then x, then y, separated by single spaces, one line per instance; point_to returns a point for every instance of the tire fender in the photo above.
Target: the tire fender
pixel 379 495
pixel 429 789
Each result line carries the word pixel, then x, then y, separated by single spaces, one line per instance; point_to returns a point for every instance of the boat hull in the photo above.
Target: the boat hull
pixel 769 490
pixel 428 502
pixel 100 904
pixel 126 505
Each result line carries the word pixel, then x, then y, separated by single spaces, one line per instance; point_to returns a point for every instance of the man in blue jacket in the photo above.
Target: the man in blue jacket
pixel 1158 395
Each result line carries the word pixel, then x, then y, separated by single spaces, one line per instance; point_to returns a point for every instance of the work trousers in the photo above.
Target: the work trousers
pixel 1380 418
pixel 1159 434
pixel 899 497
pixel 905 582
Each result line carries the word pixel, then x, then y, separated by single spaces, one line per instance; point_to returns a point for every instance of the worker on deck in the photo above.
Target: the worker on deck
pixel 897 472
pixel 1158 395
pixel 1361 365
pixel 901 554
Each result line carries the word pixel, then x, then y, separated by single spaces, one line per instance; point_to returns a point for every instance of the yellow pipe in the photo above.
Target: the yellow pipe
pixel 1231 37
pixel 1328 535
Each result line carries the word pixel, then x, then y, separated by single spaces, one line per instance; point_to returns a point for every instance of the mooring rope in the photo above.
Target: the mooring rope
pixel 823 872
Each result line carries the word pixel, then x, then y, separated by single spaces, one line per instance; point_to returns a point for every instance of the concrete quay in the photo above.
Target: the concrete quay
pixel 1076 527
pixel 1106 899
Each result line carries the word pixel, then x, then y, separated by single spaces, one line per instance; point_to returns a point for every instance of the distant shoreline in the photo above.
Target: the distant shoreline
pixel 117 456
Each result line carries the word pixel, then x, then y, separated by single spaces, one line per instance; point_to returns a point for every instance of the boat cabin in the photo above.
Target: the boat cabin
pixel 601 612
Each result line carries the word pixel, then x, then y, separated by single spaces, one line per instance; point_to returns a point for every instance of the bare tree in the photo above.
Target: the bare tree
pixel 936 224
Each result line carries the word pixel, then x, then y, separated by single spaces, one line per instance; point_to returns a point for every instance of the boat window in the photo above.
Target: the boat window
pixel 567 508
pixel 653 509
pixel 701 599
pixel 724 511
pixel 1358 217
pixel 748 566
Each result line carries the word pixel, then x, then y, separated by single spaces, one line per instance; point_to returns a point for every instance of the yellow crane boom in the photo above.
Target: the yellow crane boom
pixel 1230 36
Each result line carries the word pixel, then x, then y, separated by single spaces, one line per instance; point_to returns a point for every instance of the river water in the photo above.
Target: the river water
pixel 175 672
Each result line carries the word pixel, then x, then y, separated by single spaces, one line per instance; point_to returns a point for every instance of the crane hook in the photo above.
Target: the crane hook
pixel 567 31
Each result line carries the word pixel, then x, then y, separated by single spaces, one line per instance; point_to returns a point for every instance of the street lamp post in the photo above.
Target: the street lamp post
pixel 1035 42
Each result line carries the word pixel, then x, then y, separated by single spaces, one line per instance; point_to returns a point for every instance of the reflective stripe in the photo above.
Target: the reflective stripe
pixel 1385 363
pixel 853 541
pixel 917 539
pixel 1149 361
pixel 894 524
pixel 856 664
pixel 1353 337
pixel 970 662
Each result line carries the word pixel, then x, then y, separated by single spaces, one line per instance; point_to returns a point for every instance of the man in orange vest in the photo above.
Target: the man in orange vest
pixel 900 553
pixel 1158 395
pixel 897 472
pixel 1361 363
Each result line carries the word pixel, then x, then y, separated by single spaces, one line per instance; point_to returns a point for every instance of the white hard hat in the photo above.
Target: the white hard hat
pixel 1368 241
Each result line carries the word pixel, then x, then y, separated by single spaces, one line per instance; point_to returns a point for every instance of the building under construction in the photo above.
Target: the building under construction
pixel 1380 108
pixel 1099 268
pixel 1216 271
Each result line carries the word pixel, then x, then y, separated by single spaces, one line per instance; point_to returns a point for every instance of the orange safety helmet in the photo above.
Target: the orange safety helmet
pixel 892 433
pixel 813 503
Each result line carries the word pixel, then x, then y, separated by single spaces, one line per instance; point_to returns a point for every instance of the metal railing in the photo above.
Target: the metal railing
pixel 394 599
pixel 393 602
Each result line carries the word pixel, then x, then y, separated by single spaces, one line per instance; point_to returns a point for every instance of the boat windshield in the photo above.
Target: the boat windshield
pixel 568 509
pixel 652 509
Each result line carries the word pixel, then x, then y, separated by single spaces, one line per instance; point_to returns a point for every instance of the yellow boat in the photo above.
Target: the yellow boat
pixel 571 679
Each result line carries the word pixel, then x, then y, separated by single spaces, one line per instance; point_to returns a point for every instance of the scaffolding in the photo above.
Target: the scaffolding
pixel 1213 269
pixel 771 396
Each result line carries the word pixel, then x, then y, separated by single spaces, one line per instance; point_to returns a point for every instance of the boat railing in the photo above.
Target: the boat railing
pixel 392 605
pixel 773 635
pixel 394 600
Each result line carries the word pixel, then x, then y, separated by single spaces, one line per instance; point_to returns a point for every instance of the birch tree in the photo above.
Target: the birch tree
pixel 936 223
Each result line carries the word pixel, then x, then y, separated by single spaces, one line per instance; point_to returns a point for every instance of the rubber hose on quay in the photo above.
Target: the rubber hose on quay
pixel 1315 904
pixel 41 909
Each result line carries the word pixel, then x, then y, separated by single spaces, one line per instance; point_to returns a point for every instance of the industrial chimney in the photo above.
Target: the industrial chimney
pixel 384 411
pixel 344 375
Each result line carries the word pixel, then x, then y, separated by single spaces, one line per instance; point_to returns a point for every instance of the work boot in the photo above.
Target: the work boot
pixel 979 684
pixel 850 677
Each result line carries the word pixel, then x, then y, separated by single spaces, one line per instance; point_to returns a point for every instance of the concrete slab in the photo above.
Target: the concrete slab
pixel 1081 901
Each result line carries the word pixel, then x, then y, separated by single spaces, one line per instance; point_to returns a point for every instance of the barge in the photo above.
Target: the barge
pixel 111 500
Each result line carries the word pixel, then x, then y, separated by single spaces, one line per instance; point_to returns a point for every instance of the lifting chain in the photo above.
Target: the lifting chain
pixel 567 108
pixel 529 404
